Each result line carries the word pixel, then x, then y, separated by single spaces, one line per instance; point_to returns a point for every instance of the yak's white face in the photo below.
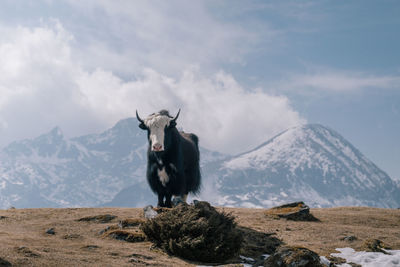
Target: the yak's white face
pixel 156 125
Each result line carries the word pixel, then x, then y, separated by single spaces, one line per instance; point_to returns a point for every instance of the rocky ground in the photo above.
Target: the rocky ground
pixel 112 236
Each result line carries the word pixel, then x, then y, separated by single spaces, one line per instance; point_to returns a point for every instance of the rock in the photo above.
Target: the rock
pixel 50 231
pixel 149 213
pixel 287 256
pixel 195 232
pixel 349 238
pixel 4 263
pixel 296 211
pixel 98 218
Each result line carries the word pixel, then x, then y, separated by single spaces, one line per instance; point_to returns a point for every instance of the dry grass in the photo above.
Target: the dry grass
pixel 24 241
pixel 335 223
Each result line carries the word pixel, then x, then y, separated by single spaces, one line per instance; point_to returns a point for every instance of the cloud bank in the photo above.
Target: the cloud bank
pixel 342 81
pixel 42 86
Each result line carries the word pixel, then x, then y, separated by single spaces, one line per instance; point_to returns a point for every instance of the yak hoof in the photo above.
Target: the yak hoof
pixel 177 200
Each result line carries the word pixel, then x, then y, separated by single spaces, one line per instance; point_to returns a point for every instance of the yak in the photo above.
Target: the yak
pixel 173 167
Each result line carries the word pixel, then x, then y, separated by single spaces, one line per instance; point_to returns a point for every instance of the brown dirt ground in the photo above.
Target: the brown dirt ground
pixel 24 241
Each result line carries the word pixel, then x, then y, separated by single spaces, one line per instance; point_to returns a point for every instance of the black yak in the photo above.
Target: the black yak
pixel 173 157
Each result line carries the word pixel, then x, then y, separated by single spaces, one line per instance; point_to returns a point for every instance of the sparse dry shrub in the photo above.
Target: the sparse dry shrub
pixel 4 262
pixel 195 232
pixel 375 245
pixel 293 256
pixel 256 244
pixel 131 222
pixel 128 236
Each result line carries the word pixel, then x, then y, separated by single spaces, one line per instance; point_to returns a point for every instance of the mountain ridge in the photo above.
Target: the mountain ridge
pixel 108 168
pixel 299 159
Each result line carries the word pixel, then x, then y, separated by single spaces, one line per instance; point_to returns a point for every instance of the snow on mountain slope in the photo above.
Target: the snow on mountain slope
pixel 91 170
pixel 310 163
pixel 50 171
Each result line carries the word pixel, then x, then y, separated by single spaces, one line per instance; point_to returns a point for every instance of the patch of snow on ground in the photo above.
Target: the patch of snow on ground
pixel 369 259
pixel 324 261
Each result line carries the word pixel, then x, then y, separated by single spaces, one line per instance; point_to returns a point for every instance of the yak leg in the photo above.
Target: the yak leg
pixel 178 199
pixel 160 200
pixel 168 197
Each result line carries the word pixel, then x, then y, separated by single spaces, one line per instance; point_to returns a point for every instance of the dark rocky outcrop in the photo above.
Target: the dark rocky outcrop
pixel 296 211
pixel 50 231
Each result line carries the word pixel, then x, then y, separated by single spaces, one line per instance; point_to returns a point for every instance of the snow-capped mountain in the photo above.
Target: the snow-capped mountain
pixel 91 170
pixel 50 171
pixel 311 163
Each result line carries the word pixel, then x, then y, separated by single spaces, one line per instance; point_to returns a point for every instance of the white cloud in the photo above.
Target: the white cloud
pixel 167 36
pixel 342 81
pixel 43 86
pixel 227 117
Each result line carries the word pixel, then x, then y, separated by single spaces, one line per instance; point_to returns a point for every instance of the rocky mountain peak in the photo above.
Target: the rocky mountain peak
pixel 308 162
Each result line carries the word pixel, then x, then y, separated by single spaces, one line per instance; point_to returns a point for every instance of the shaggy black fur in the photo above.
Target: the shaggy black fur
pixel 180 159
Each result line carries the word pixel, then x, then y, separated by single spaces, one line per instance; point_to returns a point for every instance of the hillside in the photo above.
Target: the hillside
pixel 309 162
pixel 24 241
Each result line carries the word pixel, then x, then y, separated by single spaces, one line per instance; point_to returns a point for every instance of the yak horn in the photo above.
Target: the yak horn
pixel 177 115
pixel 139 119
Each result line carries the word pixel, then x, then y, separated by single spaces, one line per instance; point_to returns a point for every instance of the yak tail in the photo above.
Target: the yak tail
pixel 195 183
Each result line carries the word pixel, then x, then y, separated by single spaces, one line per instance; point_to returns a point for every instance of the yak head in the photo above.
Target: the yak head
pixel 159 127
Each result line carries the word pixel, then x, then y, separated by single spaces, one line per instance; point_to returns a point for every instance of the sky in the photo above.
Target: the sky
pixel 240 71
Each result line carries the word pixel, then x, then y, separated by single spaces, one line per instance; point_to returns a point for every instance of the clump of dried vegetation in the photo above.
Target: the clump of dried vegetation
pixel 195 232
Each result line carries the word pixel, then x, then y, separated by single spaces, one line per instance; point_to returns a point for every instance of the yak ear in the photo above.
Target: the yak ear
pixel 142 126
pixel 172 124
